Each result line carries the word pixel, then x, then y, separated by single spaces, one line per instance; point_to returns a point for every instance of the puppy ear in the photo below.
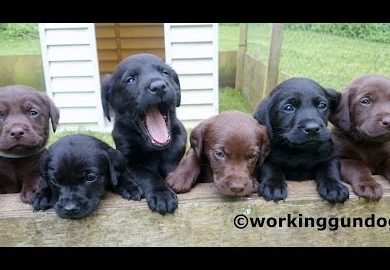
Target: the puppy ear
pixel 333 97
pixel 178 89
pixel 265 145
pixel 262 115
pixel 340 116
pixel 54 112
pixel 117 165
pixel 42 163
pixel 107 85
pixel 196 138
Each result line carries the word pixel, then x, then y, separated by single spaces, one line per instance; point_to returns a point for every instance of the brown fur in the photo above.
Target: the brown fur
pixel 22 133
pixel 245 145
pixel 362 134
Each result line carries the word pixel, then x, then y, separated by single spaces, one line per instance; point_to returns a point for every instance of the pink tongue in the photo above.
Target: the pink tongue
pixel 156 126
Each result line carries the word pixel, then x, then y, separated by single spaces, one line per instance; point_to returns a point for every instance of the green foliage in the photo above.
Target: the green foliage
pixel 331 60
pixel 104 136
pixel 377 32
pixel 19 31
pixel 233 99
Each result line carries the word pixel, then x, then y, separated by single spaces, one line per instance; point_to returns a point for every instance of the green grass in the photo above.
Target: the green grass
pixel 104 136
pixel 331 60
pixel 19 39
pixel 19 46
pixel 232 99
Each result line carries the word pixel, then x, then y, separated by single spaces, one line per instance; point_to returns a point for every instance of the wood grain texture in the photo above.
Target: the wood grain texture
pixel 204 218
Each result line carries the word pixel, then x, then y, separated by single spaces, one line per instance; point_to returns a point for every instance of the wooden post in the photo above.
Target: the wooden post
pixel 274 57
pixel 242 44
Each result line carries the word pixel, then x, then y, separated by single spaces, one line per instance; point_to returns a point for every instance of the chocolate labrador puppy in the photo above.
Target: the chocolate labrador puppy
pixel 296 116
pixel 226 149
pixel 144 93
pixel 362 134
pixel 76 170
pixel 24 130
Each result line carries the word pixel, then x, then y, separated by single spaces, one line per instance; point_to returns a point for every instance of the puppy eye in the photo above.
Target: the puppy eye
pixel 252 157
pixel 130 79
pixel 288 108
pixel 322 106
pixel 165 72
pixel 365 101
pixel 91 177
pixel 219 154
pixel 33 113
pixel 1 116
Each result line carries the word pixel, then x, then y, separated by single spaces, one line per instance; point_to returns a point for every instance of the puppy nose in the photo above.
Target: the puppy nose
pixel 237 189
pixel 158 87
pixel 311 129
pixel 16 133
pixel 71 209
pixel 385 122
pixel 236 186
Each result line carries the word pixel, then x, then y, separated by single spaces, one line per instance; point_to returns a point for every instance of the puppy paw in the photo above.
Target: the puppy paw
pixel 334 192
pixel 273 191
pixel 41 201
pixel 371 190
pixel 162 201
pixel 130 191
pixel 27 196
pixel 179 185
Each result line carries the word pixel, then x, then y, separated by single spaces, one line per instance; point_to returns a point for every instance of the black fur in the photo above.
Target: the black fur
pixel 296 114
pixel 76 170
pixel 129 92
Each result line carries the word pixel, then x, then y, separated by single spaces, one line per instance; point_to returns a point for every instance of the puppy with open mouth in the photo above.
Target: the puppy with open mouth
pixel 144 92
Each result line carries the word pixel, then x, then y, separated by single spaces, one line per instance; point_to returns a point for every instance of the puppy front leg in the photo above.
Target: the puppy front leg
pixel 272 182
pixel 29 186
pixel 329 184
pixel 159 196
pixel 184 177
pixel 386 169
pixel 127 187
pixel 359 176
pixel 42 199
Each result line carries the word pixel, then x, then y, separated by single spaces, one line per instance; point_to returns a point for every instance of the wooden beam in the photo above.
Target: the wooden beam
pixel 242 45
pixel 204 218
pixel 274 57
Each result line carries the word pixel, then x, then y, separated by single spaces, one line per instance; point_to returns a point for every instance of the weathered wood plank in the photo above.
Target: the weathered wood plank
pixel 242 46
pixel 274 57
pixel 203 219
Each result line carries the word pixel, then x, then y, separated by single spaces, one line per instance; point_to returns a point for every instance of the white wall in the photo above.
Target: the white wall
pixel 72 73
pixel 192 50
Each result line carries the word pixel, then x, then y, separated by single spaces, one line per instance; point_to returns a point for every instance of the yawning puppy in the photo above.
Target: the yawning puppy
pixel 76 170
pixel 24 131
pixel 227 149
pixel 144 93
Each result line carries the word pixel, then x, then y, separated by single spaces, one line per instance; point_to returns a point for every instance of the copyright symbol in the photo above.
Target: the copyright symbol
pixel 240 221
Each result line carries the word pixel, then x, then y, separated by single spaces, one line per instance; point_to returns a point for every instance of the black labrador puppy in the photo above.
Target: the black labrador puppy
pixel 144 93
pixel 76 170
pixel 296 116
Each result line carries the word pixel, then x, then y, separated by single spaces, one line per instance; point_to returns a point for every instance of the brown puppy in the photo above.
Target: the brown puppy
pixel 24 130
pixel 226 149
pixel 362 134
